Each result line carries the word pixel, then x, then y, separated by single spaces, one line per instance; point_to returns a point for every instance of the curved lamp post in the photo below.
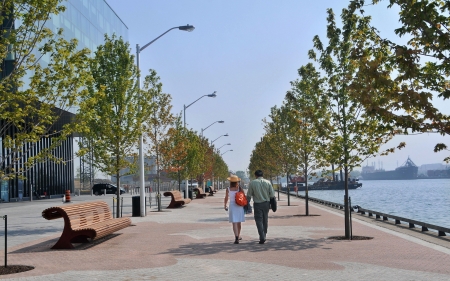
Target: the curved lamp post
pixel 226 152
pixel 213 95
pixel 226 135
pixel 211 125
pixel 224 145
pixel 141 137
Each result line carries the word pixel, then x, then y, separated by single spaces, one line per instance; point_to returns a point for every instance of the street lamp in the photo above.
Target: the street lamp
pixel 226 152
pixel 226 135
pixel 213 95
pixel 211 125
pixel 141 137
pixel 224 145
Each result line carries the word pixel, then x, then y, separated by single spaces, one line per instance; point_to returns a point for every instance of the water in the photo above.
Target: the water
pixel 426 200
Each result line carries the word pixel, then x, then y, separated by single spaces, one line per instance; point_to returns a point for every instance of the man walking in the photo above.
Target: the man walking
pixel 261 190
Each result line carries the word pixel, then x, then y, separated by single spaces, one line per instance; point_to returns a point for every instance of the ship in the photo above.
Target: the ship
pixel 438 174
pixel 408 171
pixel 322 184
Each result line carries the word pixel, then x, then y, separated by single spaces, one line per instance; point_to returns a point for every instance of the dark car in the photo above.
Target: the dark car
pixel 99 189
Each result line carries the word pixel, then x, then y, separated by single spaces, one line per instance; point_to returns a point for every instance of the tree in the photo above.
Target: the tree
pixel 357 135
pixel 34 93
pixel 174 152
pixel 158 123
pixel 409 75
pixel 309 119
pixel 111 115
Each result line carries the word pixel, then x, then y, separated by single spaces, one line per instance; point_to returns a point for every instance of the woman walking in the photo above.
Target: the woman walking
pixel 236 212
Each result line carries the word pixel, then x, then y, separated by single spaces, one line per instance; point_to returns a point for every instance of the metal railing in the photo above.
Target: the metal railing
pixel 411 223
pixel 385 217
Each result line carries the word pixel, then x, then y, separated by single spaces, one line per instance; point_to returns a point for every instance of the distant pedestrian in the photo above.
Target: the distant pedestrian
pixel 261 190
pixel 236 212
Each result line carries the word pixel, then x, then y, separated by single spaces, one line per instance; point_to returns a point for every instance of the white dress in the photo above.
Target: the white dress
pixel 235 212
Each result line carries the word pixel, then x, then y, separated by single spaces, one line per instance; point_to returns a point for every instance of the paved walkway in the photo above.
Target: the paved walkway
pixel 196 243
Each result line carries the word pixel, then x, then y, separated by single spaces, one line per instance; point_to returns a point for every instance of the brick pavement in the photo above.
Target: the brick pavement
pixel 196 242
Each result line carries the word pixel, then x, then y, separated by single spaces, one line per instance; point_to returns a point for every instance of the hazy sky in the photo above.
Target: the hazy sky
pixel 248 51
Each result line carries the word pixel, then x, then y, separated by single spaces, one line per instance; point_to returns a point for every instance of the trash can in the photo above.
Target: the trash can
pixel 190 193
pixel 136 206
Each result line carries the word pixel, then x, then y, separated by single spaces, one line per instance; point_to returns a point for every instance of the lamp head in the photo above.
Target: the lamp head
pixel 221 121
pixel 228 143
pixel 226 135
pixel 213 95
pixel 187 27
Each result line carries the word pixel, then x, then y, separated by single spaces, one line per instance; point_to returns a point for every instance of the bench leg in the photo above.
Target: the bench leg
pixel 63 243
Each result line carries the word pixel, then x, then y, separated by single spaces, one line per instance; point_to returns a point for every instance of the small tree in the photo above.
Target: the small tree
pixel 174 152
pixel 162 118
pixel 309 115
pixel 109 117
pixel 356 135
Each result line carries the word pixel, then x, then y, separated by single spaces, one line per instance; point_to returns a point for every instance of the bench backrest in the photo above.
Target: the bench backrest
pixel 177 195
pixel 80 215
pixel 200 190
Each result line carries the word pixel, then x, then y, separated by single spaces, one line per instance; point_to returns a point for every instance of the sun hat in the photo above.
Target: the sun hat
pixel 233 178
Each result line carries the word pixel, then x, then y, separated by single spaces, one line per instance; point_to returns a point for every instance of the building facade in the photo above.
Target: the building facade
pixel 87 21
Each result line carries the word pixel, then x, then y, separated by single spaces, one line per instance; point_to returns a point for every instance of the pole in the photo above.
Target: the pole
pixel 141 150
pixel 5 217
pixel 186 180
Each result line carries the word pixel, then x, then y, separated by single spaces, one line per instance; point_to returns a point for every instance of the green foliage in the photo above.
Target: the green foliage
pixel 35 93
pixel 353 135
pixel 309 120
pixel 408 76
pixel 111 114
pixel 161 119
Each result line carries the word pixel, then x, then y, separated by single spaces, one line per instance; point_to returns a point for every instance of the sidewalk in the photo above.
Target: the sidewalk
pixel 196 243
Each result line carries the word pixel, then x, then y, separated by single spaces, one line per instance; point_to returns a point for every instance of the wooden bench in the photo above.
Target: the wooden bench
pixel 177 199
pixel 212 190
pixel 199 193
pixel 84 222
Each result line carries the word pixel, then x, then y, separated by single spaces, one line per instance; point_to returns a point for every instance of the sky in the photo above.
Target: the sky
pixel 248 52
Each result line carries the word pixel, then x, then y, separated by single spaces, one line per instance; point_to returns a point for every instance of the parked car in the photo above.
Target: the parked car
pixel 99 189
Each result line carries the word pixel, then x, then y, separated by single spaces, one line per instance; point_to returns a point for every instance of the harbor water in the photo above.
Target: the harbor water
pixel 426 200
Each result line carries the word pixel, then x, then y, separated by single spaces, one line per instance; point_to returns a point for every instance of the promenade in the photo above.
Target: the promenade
pixel 196 243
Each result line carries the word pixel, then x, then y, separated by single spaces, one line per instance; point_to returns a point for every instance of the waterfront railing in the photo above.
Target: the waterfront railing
pixel 385 217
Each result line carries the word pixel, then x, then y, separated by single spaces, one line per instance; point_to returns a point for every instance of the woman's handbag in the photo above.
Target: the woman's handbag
pixel 273 204
pixel 241 199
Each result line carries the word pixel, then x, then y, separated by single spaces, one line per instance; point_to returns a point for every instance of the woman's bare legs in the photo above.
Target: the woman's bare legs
pixel 239 230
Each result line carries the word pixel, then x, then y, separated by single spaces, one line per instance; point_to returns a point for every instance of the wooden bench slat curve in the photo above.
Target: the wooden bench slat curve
pixel 177 199
pixel 83 221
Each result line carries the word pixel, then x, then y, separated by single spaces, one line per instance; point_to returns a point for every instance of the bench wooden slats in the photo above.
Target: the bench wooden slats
pixel 199 192
pixel 84 222
pixel 177 199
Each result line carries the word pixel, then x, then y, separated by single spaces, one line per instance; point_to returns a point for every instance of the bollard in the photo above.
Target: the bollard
pixel 350 214
pixel 67 196
pixel 5 217
pixel 288 195
pixel 64 199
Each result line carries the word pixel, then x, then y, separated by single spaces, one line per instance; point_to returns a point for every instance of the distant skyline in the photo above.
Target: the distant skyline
pixel 247 51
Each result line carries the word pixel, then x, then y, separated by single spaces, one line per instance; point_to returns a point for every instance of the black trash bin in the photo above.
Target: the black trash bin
pixel 136 206
pixel 190 194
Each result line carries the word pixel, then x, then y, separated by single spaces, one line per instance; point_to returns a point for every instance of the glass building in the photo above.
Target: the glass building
pixel 87 21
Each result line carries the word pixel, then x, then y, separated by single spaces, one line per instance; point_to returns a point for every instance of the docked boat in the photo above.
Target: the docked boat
pixel 325 184
pixel 408 171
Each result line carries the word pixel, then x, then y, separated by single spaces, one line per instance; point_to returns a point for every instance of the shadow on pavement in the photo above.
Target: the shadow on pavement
pixel 46 246
pixel 275 244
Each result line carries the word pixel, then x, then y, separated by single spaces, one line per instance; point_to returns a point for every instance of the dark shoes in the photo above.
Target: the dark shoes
pixel 262 241
pixel 236 241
